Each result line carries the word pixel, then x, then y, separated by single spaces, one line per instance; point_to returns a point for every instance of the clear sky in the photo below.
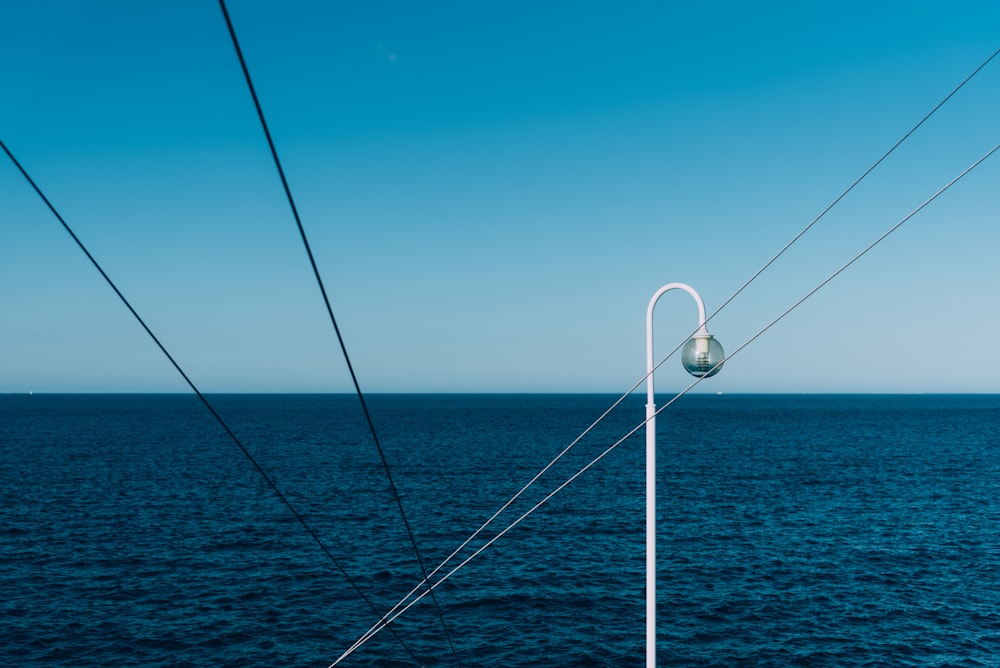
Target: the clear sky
pixel 494 190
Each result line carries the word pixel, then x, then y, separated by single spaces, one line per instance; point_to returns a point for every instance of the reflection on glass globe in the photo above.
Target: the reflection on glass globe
pixel 702 356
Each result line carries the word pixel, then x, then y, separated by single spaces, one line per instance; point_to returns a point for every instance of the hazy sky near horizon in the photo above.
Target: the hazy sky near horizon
pixel 494 190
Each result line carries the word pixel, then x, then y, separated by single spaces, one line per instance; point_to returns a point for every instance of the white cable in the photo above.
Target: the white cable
pixel 724 304
pixel 389 618
pixel 523 489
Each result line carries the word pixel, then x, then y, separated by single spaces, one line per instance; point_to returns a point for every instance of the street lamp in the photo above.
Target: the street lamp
pixel 702 357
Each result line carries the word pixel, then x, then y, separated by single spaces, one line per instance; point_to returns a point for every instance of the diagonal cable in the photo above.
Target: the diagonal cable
pixel 333 321
pixel 211 409
pixel 851 187
pixel 405 604
pixel 733 296
pixel 756 275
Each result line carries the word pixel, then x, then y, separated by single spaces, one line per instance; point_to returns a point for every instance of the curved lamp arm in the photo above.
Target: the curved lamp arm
pixel 702 331
pixel 702 357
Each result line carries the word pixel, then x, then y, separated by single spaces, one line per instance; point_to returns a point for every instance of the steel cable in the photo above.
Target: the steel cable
pixel 336 328
pixel 725 303
pixel 406 603
pixel 204 400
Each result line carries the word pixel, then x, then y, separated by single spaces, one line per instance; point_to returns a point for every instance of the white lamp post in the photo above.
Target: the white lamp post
pixel 702 356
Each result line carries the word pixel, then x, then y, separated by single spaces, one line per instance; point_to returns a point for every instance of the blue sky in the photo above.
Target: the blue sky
pixel 494 191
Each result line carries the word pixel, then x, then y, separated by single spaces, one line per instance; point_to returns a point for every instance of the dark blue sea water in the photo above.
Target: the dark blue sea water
pixel 794 530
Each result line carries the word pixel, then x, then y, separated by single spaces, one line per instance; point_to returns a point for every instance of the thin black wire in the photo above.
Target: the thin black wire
pixel 733 296
pixel 211 409
pixel 722 306
pixel 333 321
pixel 844 194
pixel 398 610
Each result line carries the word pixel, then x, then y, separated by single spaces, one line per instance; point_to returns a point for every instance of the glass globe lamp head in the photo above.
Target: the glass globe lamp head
pixel 702 356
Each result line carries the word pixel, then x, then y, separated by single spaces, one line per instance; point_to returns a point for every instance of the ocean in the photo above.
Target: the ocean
pixel 816 530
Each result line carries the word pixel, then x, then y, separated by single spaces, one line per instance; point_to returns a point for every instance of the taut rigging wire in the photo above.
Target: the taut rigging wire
pixel 848 190
pixel 406 603
pixel 333 321
pixel 204 400
pixel 725 303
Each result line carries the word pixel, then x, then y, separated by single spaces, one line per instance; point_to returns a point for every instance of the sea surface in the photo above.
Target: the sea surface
pixel 813 530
